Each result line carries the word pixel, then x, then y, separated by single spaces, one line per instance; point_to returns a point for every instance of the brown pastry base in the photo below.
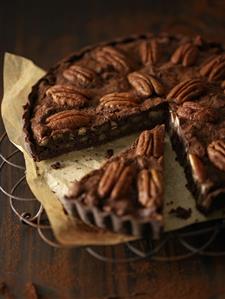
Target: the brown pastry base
pixel 125 225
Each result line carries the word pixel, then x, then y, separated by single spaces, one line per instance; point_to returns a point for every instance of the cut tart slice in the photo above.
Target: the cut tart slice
pixel 126 194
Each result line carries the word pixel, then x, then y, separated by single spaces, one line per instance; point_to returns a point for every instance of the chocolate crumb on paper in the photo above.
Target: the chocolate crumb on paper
pixel 56 165
pixel 181 213
pixel 169 203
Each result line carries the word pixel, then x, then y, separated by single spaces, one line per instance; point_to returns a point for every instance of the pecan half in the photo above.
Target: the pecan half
pixel 64 95
pixel 214 68
pixel 157 85
pixel 123 183
pixel 150 144
pixel 110 56
pixel 186 54
pixel 143 182
pixel 110 176
pixel 81 75
pixel 216 153
pixel 145 84
pixel 186 90
pixel 145 144
pixel 218 72
pixel 195 111
pixel 198 168
pixel 69 119
pixel 190 56
pixel 149 188
pixel 118 99
pixel 149 51
pixel 141 83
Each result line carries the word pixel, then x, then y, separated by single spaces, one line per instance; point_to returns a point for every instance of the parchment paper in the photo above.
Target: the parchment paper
pixel 49 185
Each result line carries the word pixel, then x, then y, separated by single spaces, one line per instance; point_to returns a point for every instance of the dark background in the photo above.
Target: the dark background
pixel 45 31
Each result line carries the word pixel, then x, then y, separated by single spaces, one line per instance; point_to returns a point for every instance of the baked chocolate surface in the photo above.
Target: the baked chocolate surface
pixel 131 84
pixel 94 96
pixel 126 193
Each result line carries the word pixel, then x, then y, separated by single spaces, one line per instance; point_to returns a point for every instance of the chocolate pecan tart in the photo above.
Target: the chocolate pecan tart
pixel 126 194
pixel 132 84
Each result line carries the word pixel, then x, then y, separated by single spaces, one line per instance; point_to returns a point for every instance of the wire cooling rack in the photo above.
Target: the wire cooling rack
pixel 200 239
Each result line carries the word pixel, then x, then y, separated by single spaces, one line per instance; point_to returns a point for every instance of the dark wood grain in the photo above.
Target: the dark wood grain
pixel 45 31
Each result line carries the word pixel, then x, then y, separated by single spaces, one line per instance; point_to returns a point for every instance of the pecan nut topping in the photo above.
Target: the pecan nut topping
pixel 149 52
pixel 149 188
pixel 216 153
pixel 198 168
pixel 145 84
pixel 195 111
pixel 157 85
pixel 150 144
pixel 68 119
pixel 145 144
pixel 141 83
pixel 214 68
pixel 186 54
pixel 109 56
pixel 116 180
pixel 186 90
pixel 123 183
pixel 118 99
pixel 110 177
pixel 81 75
pixel 64 95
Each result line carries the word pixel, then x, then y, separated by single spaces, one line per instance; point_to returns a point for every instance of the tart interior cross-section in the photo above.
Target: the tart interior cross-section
pixel 133 84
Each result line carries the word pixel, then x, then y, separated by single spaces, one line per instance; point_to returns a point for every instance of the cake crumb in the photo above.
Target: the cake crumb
pixel 56 165
pixel 169 203
pixel 181 213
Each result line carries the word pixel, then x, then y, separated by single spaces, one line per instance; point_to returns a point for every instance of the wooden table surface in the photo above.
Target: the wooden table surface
pixel 45 31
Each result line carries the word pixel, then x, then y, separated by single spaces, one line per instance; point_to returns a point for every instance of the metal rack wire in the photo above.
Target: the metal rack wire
pixel 201 239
